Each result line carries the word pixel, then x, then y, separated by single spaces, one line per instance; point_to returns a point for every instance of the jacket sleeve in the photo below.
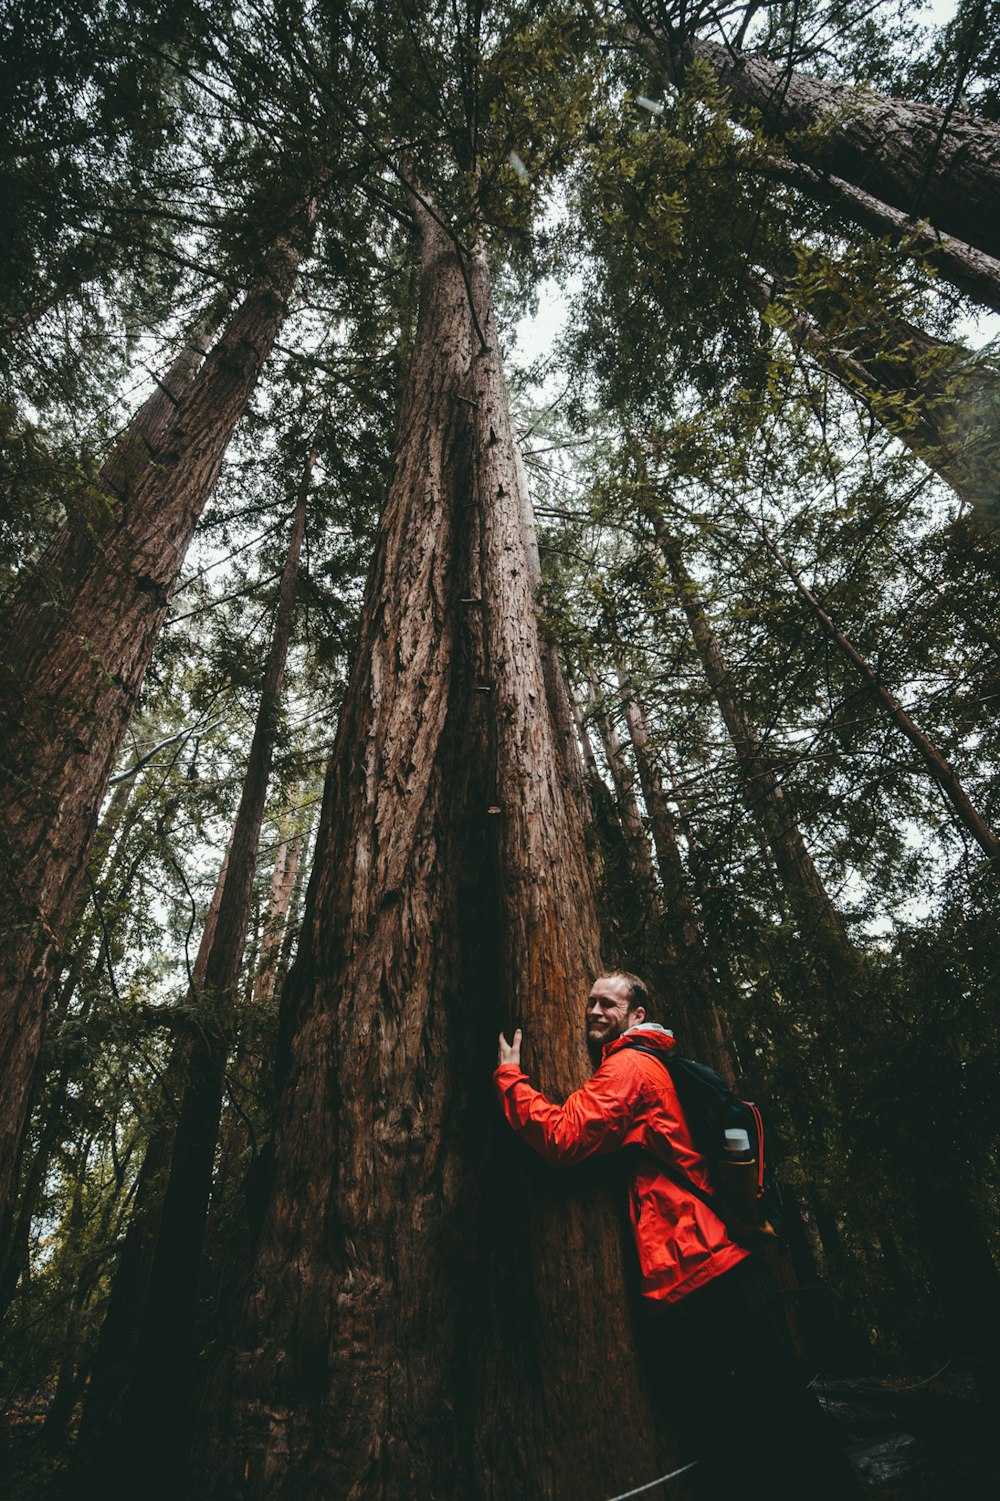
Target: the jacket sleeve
pixel 594 1119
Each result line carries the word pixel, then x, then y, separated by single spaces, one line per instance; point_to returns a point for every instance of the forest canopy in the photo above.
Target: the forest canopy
pixel 491 493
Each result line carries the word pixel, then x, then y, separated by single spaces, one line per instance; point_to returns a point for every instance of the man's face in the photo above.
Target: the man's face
pixel 608 1012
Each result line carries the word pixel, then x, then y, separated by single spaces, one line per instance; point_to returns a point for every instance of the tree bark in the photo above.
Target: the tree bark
pixel 698 988
pixel 971 271
pixel 94 1453
pixel 633 828
pixel 938 767
pixel 249 1073
pixel 279 900
pixel 927 393
pixel 15 1219
pixel 556 689
pixel 76 642
pixel 583 739
pixel 413 1327
pixel 156 1409
pixel 930 163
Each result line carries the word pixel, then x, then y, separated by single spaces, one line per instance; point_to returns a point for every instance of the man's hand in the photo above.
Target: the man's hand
pixel 510 1052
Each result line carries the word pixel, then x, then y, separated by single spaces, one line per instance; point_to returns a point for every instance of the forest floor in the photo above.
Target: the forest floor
pixel 910 1440
pixel 914 1440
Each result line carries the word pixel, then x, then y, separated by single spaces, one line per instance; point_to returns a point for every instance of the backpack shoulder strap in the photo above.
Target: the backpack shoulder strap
pixel 673 1168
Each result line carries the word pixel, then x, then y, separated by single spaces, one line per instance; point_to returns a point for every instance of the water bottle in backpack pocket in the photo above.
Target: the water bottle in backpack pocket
pixel 729 1134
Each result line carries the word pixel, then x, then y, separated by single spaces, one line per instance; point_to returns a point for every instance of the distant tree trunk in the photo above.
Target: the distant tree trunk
pixel 586 744
pixel 556 688
pixel 686 939
pixel 16 1245
pixel 69 1381
pixel 157 1402
pixel 930 163
pixel 15 1220
pixel 286 864
pixel 248 1069
pixel 111 1369
pixel 619 885
pixel 633 827
pixel 290 939
pixel 718 937
pixel 630 902
pixel 972 272
pixel 929 394
pixel 764 794
pixel 75 644
pixel 939 769
pixel 429 1311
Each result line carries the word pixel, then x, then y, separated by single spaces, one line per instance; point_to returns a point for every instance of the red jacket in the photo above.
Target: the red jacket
pixel 631 1101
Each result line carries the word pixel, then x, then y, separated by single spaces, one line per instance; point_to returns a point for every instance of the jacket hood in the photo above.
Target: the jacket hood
pixel 650 1034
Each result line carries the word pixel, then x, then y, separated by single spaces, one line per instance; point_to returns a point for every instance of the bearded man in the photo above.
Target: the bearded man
pixel 722 1340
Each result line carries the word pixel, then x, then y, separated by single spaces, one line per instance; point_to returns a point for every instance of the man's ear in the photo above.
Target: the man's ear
pixel 639 1015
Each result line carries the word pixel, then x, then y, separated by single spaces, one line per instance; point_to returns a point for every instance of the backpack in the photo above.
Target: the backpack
pixel 729 1134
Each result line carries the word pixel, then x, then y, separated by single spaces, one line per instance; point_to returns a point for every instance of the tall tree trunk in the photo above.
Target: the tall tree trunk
pixel 697 984
pixel 633 828
pixel 246 1067
pixel 556 688
pixel 583 738
pixel 629 941
pixel 938 767
pixel 304 846
pixel 971 271
pixel 929 394
pixel 547 953
pixel 68 1381
pixel 157 1406
pixel 75 644
pixel 414 1328
pixel 16 1215
pixel 764 794
pixel 111 1370
pixel 279 900
pixel 928 162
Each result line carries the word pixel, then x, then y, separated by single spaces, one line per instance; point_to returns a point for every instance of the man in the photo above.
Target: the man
pixel 721 1337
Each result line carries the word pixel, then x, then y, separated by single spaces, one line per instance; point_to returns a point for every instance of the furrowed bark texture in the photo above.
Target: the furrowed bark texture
pixel 15 1220
pixel 76 643
pixel 425 1317
pixel 939 166
pixel 549 946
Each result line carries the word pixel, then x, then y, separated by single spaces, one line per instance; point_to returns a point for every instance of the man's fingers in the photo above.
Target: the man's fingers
pixel 510 1052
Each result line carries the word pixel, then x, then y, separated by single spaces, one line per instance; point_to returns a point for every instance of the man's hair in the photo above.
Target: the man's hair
pixel 639 993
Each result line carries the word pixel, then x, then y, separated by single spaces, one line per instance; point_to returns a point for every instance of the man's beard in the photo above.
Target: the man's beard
pixel 597 1043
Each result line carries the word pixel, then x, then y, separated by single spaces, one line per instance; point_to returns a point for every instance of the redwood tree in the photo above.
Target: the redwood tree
pixel 429 1313
pixel 75 643
pixel 928 162
pixel 762 789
